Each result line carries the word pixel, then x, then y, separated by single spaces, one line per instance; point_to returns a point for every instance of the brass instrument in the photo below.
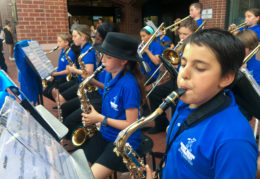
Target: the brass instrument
pixel 70 75
pixel 90 88
pixel 251 54
pixel 80 135
pixel 52 50
pixel 150 39
pixel 201 26
pixel 173 57
pixel 242 25
pixel 175 24
pixel 130 158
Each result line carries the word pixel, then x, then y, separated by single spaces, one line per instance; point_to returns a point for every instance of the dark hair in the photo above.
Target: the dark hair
pixel 256 12
pixel 228 49
pixel 7 22
pixel 101 19
pixel 249 38
pixel 83 30
pixel 197 5
pixel 106 27
pixel 190 24
pixel 134 68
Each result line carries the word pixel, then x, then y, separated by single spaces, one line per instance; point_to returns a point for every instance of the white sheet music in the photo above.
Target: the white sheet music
pixel 27 150
pixel 38 59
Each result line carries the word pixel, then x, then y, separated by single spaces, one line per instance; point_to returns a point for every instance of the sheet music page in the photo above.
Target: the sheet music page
pixel 39 60
pixel 27 150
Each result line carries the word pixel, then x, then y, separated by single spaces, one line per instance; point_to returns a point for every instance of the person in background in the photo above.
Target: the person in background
pixel 75 24
pixel 250 40
pixel 252 20
pixel 195 12
pixel 151 52
pixel 164 40
pixel 168 84
pixel 100 21
pixel 92 33
pixel 2 58
pixel 63 40
pixel 9 39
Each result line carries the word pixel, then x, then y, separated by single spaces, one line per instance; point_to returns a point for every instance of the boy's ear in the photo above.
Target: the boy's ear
pixel 227 79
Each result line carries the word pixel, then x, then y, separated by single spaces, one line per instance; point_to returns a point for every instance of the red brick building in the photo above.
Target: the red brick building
pixel 42 20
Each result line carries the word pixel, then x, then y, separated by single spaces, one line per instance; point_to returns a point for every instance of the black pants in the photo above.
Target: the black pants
pixel 47 92
pixel 71 111
pixel 2 58
pixel 156 97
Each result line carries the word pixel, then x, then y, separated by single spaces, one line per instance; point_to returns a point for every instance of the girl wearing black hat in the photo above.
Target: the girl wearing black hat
pixel 122 98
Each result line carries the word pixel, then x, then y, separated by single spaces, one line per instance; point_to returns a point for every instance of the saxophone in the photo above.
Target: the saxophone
pixel 70 75
pixel 90 88
pixel 130 158
pixel 82 133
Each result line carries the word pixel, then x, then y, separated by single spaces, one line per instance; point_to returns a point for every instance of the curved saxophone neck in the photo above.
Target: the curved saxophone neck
pixel 127 132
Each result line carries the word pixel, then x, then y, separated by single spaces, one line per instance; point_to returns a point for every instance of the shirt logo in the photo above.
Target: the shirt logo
pixel 62 59
pixel 113 104
pixel 186 150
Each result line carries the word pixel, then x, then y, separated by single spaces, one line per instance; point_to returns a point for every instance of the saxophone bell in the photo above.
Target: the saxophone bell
pixel 82 133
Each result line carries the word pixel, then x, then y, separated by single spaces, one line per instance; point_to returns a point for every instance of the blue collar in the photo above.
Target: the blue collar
pixel 109 82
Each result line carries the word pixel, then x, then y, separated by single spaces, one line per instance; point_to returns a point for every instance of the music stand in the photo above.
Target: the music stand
pixel 29 151
pixel 37 61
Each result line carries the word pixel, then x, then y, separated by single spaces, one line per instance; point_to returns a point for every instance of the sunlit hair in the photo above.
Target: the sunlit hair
pixel 66 37
pixel 249 38
pixel 83 30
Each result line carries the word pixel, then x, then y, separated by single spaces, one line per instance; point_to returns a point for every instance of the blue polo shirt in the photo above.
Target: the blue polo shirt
pixel 165 39
pixel 253 66
pixel 90 58
pixel 120 93
pixel 255 28
pixel 156 49
pixel 221 146
pixel 199 22
pixel 63 62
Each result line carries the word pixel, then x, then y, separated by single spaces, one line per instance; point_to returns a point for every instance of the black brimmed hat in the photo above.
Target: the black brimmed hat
pixel 119 45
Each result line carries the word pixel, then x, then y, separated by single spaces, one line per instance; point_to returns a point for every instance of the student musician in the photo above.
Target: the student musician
pixel 151 52
pixel 252 20
pixel 63 40
pixel 81 37
pixel 250 40
pixel 186 28
pixel 71 110
pixel 164 40
pixel 122 98
pixel 208 136
pixel 195 12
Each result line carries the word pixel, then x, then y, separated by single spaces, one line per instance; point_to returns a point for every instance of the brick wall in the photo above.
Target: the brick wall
pixel 41 20
pixel 219 12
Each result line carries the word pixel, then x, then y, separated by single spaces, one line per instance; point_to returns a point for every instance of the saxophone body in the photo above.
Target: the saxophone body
pixel 90 88
pixel 70 75
pixel 130 158
pixel 80 135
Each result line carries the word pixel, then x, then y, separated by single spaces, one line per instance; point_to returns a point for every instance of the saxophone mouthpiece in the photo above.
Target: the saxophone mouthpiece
pixel 180 91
